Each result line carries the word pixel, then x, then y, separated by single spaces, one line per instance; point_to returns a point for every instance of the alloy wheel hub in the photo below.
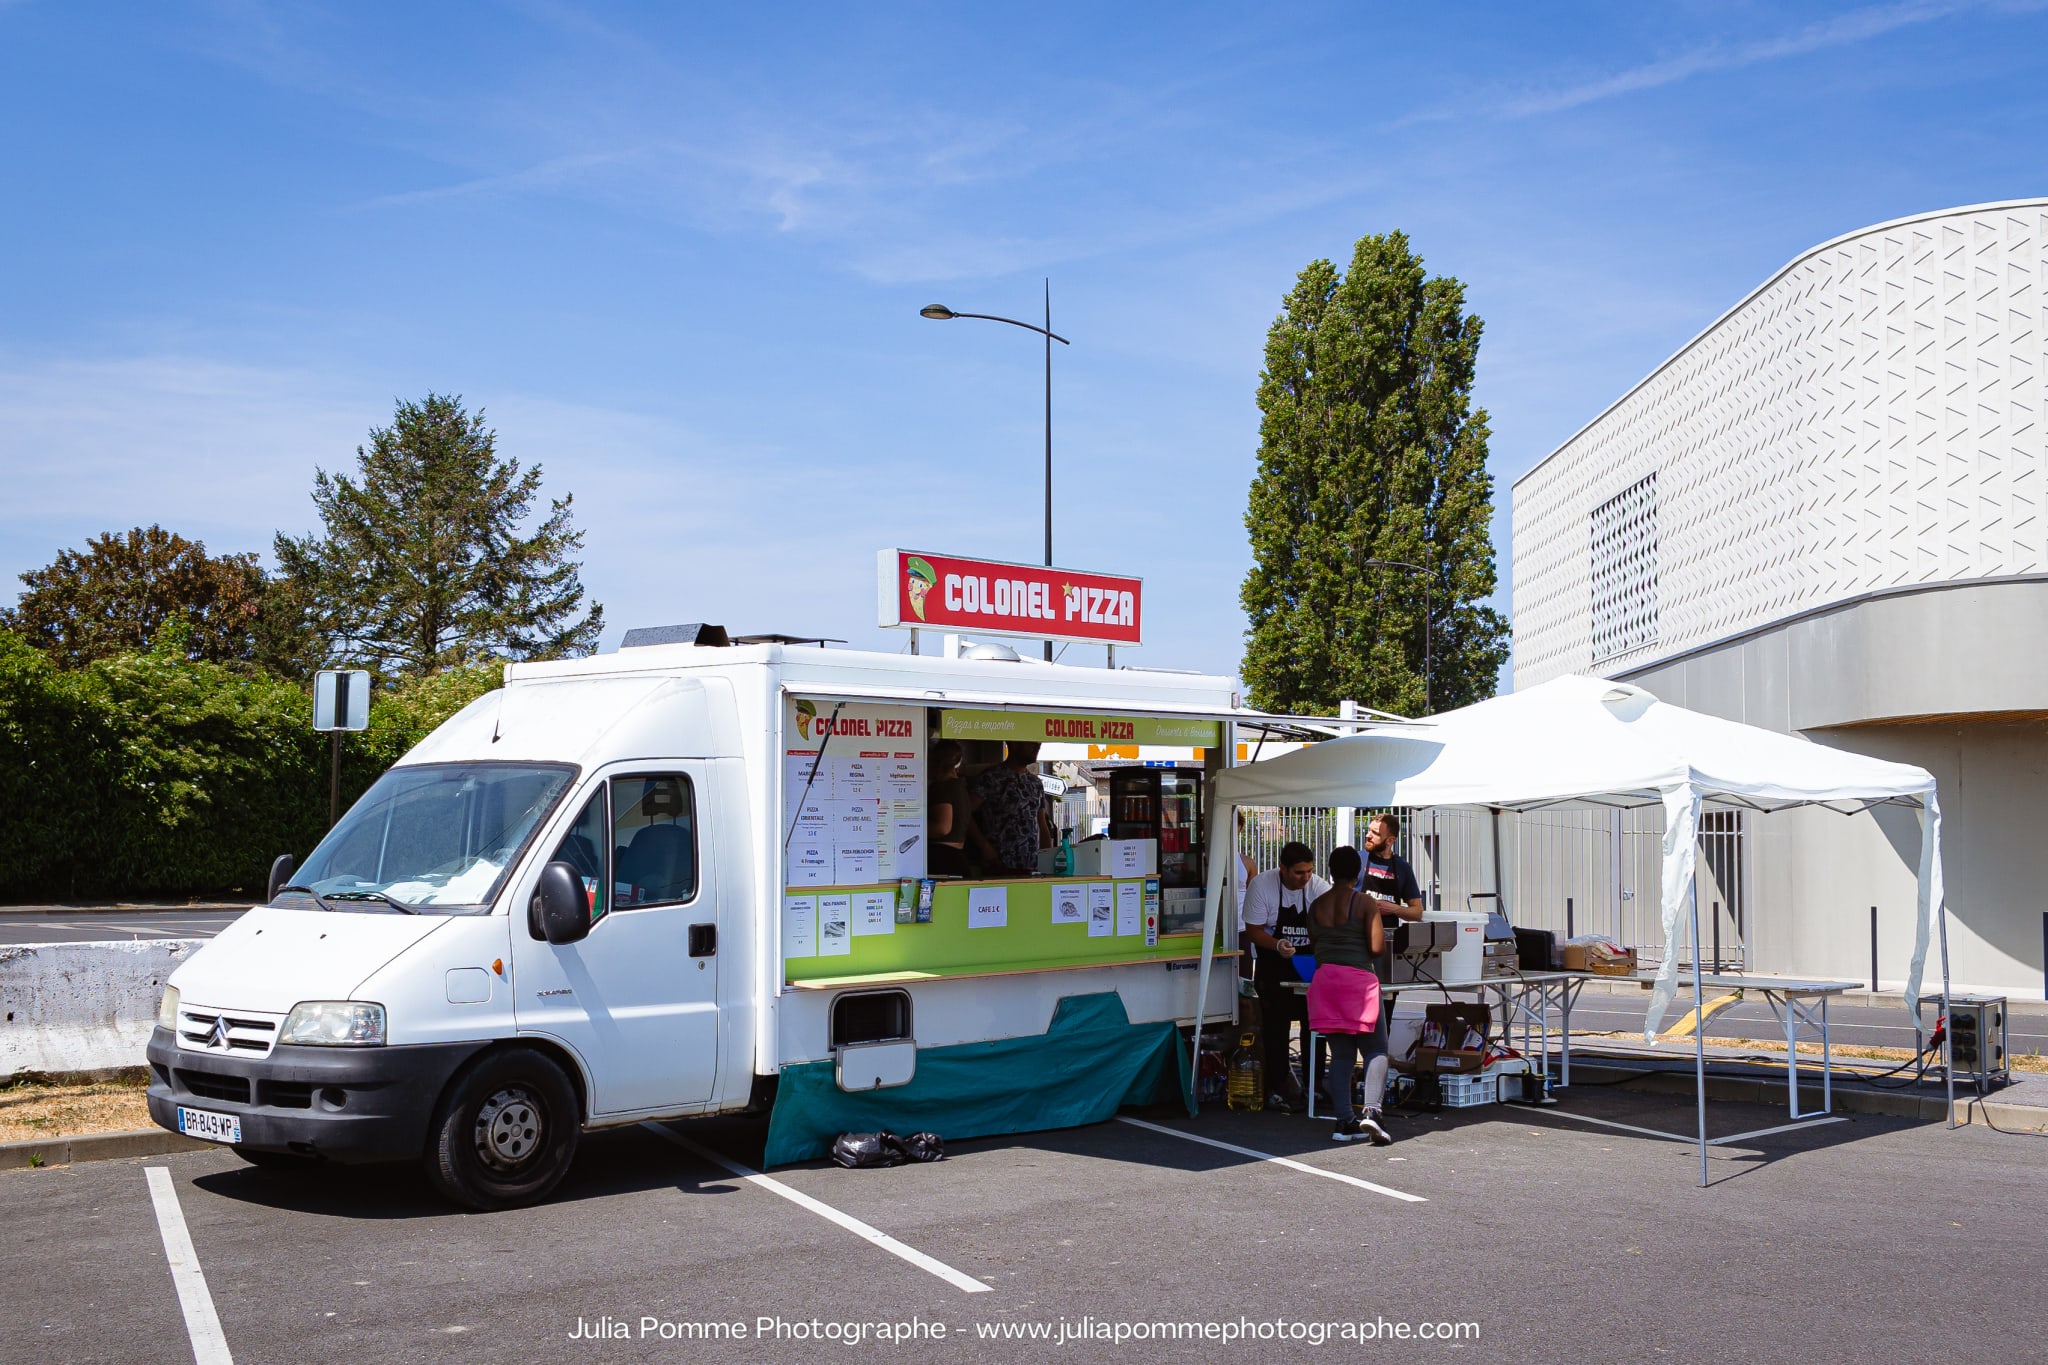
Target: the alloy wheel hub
pixel 508 1128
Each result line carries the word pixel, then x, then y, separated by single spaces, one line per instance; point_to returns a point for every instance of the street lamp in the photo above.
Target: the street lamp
pixel 938 312
pixel 1428 625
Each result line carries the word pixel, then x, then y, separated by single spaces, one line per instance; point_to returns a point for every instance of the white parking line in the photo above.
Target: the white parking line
pixel 1291 1165
pixel 966 1284
pixel 202 1324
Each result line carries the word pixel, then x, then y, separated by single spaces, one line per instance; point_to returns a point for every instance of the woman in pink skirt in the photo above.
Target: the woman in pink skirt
pixel 1344 995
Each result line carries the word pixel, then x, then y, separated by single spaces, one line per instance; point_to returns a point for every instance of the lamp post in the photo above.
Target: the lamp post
pixel 1428 625
pixel 938 312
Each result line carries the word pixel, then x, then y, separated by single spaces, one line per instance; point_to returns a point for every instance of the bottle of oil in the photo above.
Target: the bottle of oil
pixel 1247 1077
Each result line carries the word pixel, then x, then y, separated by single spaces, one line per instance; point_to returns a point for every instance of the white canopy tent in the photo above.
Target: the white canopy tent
pixel 1589 741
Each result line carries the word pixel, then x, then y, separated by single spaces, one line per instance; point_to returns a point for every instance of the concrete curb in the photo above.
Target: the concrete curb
pixel 95 1147
pixel 2019 1118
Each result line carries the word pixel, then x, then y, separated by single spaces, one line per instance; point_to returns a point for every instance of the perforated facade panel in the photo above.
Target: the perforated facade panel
pixel 1623 537
pixel 1869 418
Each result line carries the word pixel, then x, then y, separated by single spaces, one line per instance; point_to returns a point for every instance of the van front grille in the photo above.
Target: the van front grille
pixel 214 1086
pixel 240 1033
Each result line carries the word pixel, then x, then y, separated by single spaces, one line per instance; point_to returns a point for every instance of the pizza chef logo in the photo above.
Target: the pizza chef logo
pixel 919 579
pixel 806 717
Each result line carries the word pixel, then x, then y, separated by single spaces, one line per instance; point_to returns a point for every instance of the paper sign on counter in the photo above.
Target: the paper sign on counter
pixel 988 907
pixel 799 926
pixel 1101 909
pixel 810 864
pixel 854 866
pixel 1130 907
pixel 834 912
pixel 1070 903
pixel 874 912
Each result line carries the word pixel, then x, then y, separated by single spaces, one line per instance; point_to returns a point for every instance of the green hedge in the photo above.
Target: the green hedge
pixel 146 775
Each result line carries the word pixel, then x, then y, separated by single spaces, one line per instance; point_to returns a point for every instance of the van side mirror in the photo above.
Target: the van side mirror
pixel 560 912
pixel 280 875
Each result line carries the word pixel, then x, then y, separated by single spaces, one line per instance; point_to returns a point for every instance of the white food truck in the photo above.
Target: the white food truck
pixel 661 882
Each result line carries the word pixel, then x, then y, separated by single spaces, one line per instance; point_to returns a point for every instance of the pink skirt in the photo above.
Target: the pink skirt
pixel 1343 999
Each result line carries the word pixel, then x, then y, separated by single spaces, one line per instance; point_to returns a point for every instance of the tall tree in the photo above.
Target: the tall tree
pixel 126 590
pixel 1370 450
pixel 423 565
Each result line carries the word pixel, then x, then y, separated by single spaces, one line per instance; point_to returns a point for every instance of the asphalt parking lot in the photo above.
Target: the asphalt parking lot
pixel 1562 1240
pixel 64 924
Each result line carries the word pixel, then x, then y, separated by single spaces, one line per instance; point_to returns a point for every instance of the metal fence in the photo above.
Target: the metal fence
pixel 1572 870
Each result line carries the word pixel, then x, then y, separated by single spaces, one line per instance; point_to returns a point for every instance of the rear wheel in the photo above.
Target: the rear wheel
pixel 505 1132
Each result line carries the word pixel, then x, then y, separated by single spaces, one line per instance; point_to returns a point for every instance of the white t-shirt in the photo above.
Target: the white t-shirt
pixel 1262 896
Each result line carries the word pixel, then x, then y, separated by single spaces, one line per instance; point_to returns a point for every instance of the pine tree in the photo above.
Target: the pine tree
pixel 1369 450
pixel 422 564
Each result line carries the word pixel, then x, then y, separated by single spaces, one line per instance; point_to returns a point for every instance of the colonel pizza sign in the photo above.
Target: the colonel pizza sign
pixel 946 592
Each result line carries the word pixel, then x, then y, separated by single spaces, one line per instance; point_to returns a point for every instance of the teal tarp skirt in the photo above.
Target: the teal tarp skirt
pixel 1091 1061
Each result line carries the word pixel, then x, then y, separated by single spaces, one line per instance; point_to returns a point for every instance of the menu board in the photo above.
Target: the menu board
pixel 853 793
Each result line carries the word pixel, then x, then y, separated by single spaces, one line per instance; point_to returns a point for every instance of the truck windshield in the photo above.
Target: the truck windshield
pixel 436 836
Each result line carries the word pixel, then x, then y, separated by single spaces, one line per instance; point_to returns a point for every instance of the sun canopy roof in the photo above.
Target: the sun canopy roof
pixel 1574 739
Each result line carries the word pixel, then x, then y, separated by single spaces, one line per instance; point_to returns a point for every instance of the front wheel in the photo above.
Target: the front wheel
pixel 505 1133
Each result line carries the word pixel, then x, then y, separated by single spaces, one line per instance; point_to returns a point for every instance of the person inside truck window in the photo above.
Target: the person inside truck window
pixel 1012 812
pixel 655 832
pixel 950 814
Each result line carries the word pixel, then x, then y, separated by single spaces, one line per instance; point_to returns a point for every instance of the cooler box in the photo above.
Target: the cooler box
pixel 1465 963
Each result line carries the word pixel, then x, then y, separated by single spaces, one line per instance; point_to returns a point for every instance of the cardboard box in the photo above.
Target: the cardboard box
pixel 1455 1019
pixel 1578 957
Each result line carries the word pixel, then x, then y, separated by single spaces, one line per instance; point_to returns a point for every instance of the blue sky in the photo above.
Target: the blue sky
pixel 677 252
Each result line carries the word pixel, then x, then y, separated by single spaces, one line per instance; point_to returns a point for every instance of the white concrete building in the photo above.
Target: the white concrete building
pixel 1825 515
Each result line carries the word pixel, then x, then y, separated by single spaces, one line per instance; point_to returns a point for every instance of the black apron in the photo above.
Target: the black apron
pixel 1291 925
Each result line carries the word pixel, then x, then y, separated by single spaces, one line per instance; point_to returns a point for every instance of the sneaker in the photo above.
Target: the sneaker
pixel 1350 1130
pixel 1369 1127
pixel 1280 1104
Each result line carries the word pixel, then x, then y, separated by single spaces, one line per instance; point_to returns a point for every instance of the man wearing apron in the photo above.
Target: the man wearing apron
pixel 1388 879
pixel 1276 922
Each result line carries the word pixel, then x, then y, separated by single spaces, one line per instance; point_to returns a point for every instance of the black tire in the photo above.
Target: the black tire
pixel 279 1163
pixel 505 1132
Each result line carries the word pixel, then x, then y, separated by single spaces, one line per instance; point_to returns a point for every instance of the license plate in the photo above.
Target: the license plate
pixel 204 1123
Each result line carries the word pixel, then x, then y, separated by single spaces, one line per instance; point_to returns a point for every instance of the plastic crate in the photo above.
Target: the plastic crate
pixel 1465 1091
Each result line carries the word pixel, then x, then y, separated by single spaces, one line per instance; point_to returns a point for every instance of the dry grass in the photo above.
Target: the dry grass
pixel 35 1108
pixel 2032 1062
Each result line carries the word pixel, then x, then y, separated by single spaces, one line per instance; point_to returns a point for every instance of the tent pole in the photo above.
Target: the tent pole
pixel 1948 1035
pixel 1699 1032
pixel 1221 824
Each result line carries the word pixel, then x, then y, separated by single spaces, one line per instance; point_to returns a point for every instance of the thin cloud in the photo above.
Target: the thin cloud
pixel 1841 31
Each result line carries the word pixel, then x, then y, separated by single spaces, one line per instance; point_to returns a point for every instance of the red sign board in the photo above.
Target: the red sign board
pixel 945 592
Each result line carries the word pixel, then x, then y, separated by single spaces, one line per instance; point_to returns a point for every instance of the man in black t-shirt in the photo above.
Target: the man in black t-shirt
pixel 1387 877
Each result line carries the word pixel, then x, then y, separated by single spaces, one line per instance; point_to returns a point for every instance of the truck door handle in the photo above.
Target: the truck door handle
pixel 703 940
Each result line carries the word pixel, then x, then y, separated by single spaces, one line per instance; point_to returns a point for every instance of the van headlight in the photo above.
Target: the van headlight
pixel 167 1009
pixel 334 1023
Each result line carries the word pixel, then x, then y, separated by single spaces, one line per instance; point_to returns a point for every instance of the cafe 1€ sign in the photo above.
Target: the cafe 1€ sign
pixel 920 590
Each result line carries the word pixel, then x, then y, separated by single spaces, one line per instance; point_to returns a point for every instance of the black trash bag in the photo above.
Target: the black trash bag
pixel 924 1147
pixel 865 1151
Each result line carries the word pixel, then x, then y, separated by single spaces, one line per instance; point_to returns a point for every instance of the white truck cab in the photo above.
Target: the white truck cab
pixel 563 910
